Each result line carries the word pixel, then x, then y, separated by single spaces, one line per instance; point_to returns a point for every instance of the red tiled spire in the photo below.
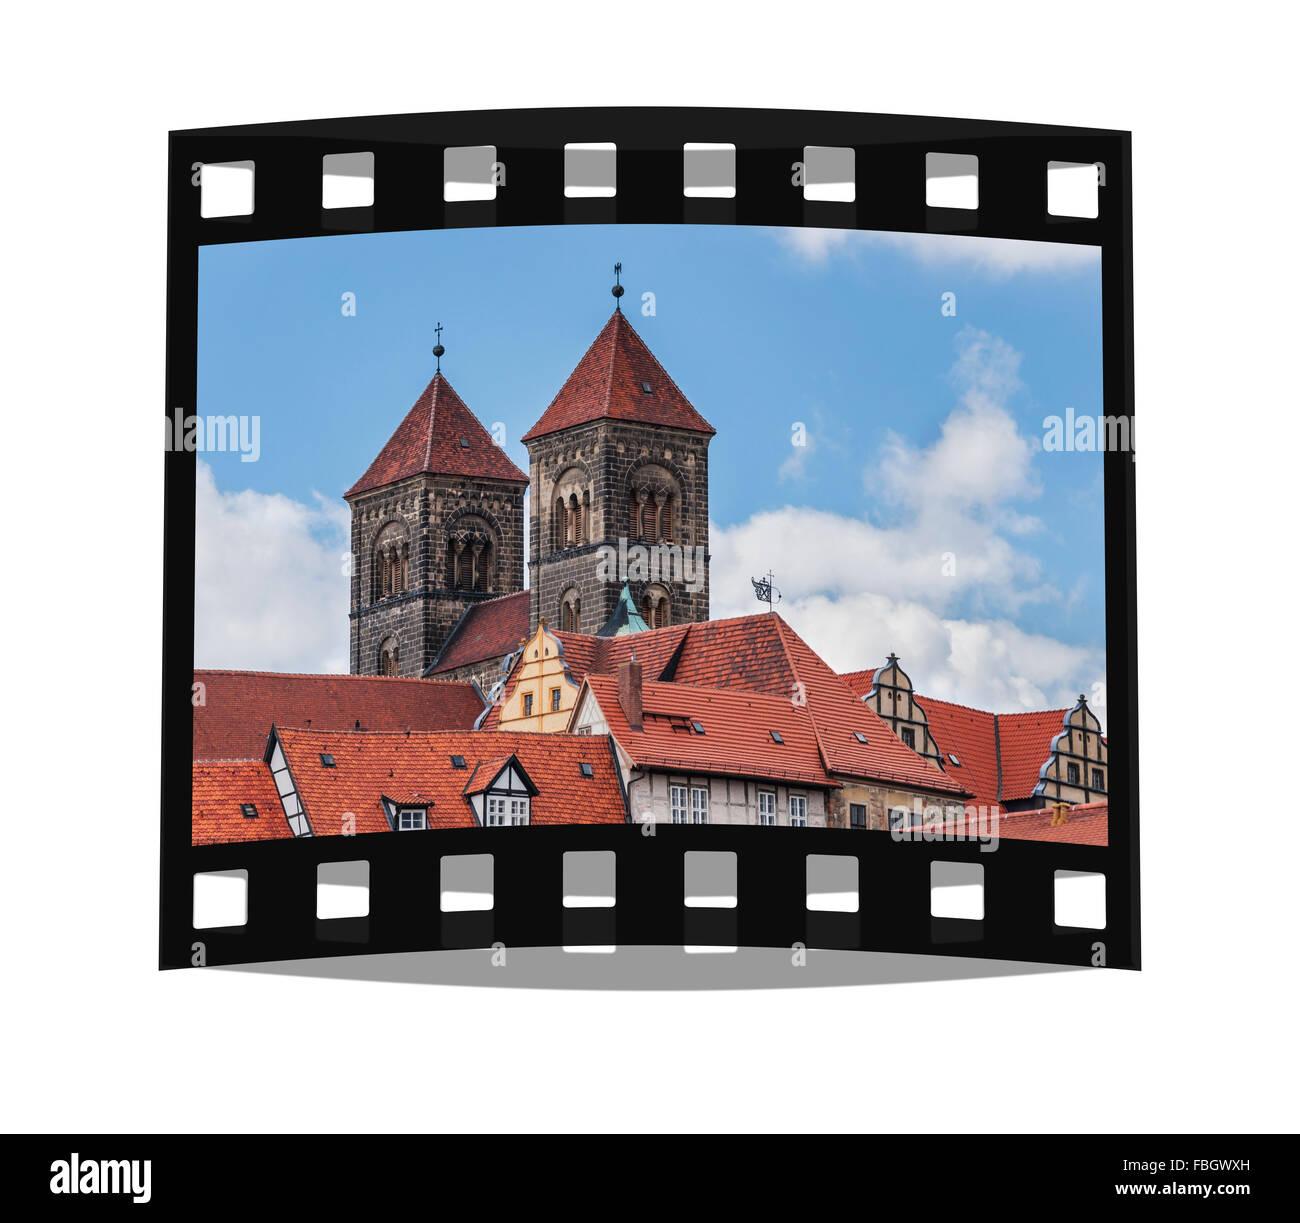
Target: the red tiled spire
pixel 607 384
pixel 429 441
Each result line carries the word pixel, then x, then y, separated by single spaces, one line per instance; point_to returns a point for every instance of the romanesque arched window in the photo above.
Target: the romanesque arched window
pixel 654 607
pixel 390 562
pixel 388 656
pixel 654 505
pixel 570 611
pixel 471 555
pixel 571 510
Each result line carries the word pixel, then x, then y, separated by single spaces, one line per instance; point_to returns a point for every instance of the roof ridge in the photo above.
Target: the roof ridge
pixel 402 679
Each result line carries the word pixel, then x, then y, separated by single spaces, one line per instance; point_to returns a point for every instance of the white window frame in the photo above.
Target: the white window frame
pixel 798 811
pixel 677 804
pixel 406 817
pixel 699 804
pixel 767 808
pixel 519 811
pixel 494 811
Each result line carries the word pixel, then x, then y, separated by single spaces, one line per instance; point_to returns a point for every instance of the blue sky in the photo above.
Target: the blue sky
pixel 923 430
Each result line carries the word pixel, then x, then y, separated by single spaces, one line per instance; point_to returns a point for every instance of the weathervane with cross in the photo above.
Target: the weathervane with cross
pixel 438 349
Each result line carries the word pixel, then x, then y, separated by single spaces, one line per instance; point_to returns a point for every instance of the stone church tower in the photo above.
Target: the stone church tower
pixel 619 466
pixel 437 526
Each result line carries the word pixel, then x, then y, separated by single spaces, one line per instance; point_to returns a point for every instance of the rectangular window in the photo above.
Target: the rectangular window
pixel 496 812
pixel 677 800
pixel 411 819
pixel 528 704
pixel 1098 780
pixel 518 812
pixel 909 737
pixel 798 811
pixel 555 700
pixel 767 807
pixel 857 815
pixel 1072 774
pixel 699 805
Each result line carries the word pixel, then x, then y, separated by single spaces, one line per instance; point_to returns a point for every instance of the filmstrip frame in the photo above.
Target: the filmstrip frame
pixel 771 898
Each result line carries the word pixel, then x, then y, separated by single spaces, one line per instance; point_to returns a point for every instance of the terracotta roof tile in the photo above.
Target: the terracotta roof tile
pixel 488 630
pixel 607 384
pixel 241 706
pixel 429 441
pixel 1025 740
pixel 971 736
pixel 736 742
pixel 1086 824
pixel 417 768
pixel 220 788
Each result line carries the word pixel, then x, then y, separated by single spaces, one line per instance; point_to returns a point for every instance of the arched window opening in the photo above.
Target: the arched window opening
pixel 570 612
pixel 388 656
pixel 654 608
pixel 389 565
pixel 471 557
pixel 653 501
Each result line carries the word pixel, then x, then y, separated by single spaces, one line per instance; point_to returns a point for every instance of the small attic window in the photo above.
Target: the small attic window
pixel 647 389
pixel 464 443
pixel 326 760
pixel 859 736
pixel 585 769
pixel 954 760
pixel 458 762
pixel 249 810
pixel 776 736
pixel 698 727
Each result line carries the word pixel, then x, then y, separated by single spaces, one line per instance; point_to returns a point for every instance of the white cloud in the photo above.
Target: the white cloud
pixel 270 587
pixel 940 583
pixel 998 256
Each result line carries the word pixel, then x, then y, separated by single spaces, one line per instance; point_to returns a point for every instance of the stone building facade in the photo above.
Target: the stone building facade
pixel 619 479
pixel 437 525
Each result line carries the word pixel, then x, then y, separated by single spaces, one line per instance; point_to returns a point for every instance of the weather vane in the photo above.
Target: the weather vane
pixel 764 591
pixel 617 290
pixel 438 349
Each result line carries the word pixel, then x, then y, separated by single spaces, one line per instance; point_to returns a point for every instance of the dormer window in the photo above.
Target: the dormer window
pixel 412 819
pixel 501 811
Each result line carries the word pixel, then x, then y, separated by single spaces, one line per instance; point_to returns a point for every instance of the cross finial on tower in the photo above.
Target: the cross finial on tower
pixel 617 290
pixel 438 349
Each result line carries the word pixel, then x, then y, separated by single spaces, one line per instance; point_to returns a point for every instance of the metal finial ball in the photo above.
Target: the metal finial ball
pixel 438 350
pixel 617 290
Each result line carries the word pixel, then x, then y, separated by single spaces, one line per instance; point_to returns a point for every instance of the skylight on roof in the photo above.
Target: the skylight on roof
pixel 698 727
pixel 458 762
pixel 647 389
pixel 326 760
pixel 954 760
pixel 249 810
pixel 585 769
pixel 464 443
pixel 859 736
pixel 776 736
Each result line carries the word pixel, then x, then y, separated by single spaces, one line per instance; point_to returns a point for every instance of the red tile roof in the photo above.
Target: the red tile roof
pixel 761 653
pixel 220 787
pixel 1000 753
pixel 1025 740
pixel 736 741
pixel 487 630
pixel 241 706
pixel 971 736
pixel 417 768
pixel 429 441
pixel 606 384
pixel 1085 824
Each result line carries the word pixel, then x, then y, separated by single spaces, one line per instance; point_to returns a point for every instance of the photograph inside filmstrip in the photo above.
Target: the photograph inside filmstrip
pixel 700 525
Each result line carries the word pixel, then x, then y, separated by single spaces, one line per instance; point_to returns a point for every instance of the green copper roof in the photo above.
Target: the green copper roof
pixel 625 618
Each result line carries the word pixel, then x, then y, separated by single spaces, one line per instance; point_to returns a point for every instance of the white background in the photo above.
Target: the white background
pixel 93 1036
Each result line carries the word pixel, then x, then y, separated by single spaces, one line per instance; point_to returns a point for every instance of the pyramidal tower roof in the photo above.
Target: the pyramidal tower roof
pixel 619 378
pixel 440 436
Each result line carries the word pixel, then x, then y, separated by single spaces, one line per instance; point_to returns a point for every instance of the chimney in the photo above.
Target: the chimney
pixel 629 692
pixel 1060 814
